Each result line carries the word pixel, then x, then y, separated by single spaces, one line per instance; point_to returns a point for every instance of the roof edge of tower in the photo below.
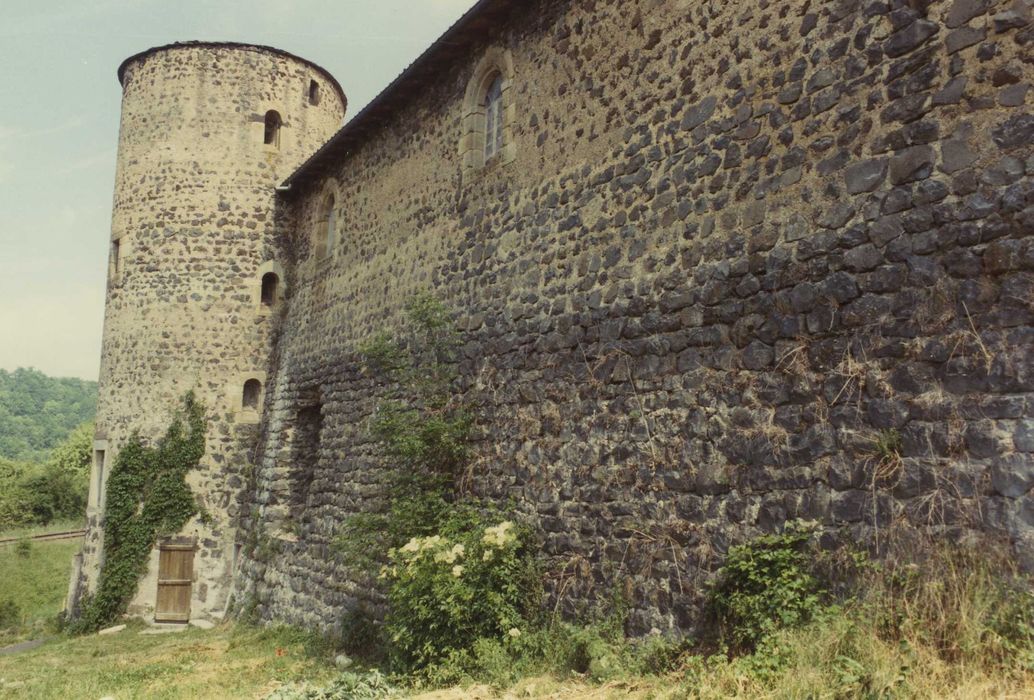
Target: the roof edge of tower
pixel 230 45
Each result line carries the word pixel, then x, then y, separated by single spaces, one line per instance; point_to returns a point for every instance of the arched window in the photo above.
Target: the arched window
pixel 252 393
pixel 493 105
pixel 314 92
pixel 270 284
pixel 273 124
pixel 327 231
pixel 489 113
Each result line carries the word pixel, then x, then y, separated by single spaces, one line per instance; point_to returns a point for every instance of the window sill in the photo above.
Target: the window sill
pixel 500 160
pixel 249 417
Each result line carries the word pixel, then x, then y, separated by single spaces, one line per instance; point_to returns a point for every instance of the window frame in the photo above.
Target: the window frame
pixel 325 232
pixel 495 119
pixel 326 229
pixel 246 414
pixel 271 130
pixel 496 68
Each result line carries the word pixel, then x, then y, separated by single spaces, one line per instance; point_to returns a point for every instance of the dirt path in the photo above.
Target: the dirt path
pixel 21 646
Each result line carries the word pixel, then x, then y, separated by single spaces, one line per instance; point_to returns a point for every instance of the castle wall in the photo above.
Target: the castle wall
pixel 192 233
pixel 739 247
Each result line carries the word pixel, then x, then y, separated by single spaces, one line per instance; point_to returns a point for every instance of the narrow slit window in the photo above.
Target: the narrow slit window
pixel 494 118
pixel 116 257
pixel 252 392
pixel 270 287
pixel 314 92
pixel 328 229
pixel 272 132
pixel 98 461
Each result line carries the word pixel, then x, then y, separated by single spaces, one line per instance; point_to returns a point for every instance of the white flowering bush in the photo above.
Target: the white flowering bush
pixel 446 592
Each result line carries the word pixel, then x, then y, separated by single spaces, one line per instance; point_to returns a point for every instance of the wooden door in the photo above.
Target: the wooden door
pixel 175 580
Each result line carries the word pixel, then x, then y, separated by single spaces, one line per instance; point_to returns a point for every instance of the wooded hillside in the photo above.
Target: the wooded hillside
pixel 37 412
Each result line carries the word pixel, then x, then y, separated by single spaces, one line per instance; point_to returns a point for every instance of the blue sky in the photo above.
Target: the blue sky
pixel 59 133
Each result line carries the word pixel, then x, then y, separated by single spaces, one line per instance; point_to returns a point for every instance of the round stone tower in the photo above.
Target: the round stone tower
pixel 208 131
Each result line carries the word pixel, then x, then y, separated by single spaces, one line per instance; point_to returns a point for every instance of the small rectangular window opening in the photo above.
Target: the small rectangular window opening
pixel 116 257
pixel 314 92
pixel 270 282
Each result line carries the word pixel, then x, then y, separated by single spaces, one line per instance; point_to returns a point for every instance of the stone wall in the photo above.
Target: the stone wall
pixel 744 257
pixel 192 233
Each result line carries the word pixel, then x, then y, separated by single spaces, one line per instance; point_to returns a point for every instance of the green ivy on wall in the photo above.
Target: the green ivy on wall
pixel 147 498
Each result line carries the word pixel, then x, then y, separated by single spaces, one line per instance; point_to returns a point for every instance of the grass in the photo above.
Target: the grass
pixel 231 662
pixel 844 654
pixel 221 663
pixel 35 580
pixel 954 623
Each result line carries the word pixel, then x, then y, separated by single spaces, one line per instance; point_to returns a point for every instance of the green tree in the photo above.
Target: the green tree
pixel 37 412
pixel 75 454
pixel 38 494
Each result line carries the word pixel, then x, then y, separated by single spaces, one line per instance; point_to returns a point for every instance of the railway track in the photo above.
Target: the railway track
pixel 49 537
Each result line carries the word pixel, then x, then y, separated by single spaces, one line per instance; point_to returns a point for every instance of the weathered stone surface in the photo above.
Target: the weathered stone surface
pixel 865 176
pixel 1013 475
pixel 1015 132
pixel 911 164
pixel 1014 95
pixel 699 113
pixel 962 11
pixel 1018 15
pixel 836 215
pixel 1023 438
pixel 717 261
pixel 952 92
pixel 910 38
pixel 957 154
pixel 964 37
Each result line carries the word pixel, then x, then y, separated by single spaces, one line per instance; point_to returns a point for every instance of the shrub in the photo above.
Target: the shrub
pixel 449 591
pixel 33 494
pixel 362 636
pixel 764 585
pixel 75 453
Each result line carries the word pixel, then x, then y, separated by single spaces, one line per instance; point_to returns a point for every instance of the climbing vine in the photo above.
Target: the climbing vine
pixel 147 498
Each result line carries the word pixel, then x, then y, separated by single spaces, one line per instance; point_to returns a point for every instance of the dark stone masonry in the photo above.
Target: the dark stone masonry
pixel 716 266
pixel 738 246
